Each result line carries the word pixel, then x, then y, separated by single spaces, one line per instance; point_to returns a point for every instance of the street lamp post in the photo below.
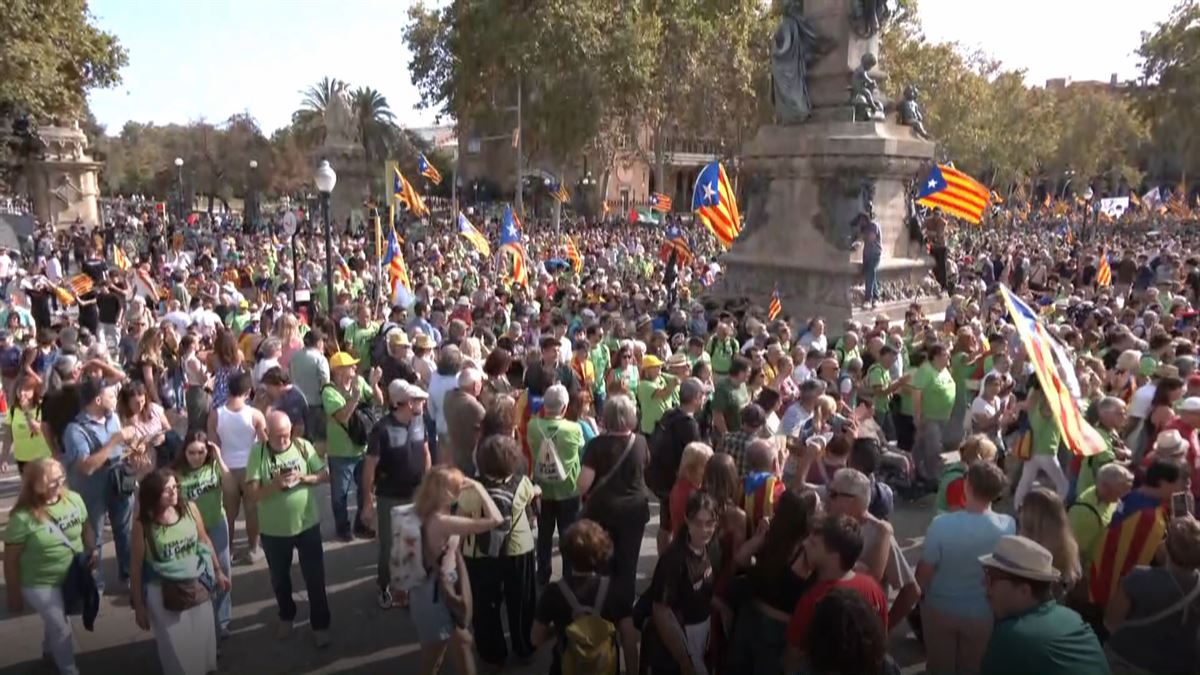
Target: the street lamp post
pixel 325 179
pixel 252 197
pixel 179 186
pixel 1087 206
pixel 588 183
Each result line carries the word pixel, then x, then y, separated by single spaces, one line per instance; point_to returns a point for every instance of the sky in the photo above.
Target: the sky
pixel 193 59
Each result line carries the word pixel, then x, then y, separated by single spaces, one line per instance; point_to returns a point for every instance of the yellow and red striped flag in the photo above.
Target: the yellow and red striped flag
pixel 776 307
pixel 427 169
pixel 573 254
pixel 80 284
pixel 121 260
pixel 1052 366
pixel 954 192
pixel 715 204
pixel 404 192
pixel 660 202
pixel 1103 270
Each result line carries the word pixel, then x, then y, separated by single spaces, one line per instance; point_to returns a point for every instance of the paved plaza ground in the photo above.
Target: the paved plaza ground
pixel 366 639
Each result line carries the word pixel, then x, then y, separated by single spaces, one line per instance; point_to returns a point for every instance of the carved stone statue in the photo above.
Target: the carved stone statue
pixel 869 16
pixel 867 106
pixel 340 126
pixel 795 47
pixel 910 112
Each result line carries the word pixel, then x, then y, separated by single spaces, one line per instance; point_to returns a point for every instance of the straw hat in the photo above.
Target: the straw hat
pixel 1021 557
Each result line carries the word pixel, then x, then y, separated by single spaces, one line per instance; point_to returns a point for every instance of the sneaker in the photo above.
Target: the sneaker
pixel 284 630
pixel 321 638
pixel 223 634
pixel 345 537
pixel 385 599
pixel 255 555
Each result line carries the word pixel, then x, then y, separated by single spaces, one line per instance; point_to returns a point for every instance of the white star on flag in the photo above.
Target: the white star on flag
pixel 709 192
pixel 932 184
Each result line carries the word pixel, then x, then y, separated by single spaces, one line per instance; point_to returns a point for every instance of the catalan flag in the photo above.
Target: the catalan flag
pixel 121 260
pixel 393 261
pixel 510 242
pixel 676 243
pixel 1045 357
pixel 1070 236
pixel 1132 538
pixel 1103 270
pixel 428 170
pixel 607 208
pixel 342 265
pixel 468 232
pixel 955 193
pixel 80 284
pixel 660 202
pixel 560 193
pixel 573 253
pixel 776 306
pixel 404 193
pixel 715 204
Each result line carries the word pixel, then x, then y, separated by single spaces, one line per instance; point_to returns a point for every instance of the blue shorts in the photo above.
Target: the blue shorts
pixel 429 612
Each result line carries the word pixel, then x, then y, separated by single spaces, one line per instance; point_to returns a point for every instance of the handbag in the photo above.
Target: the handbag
pixel 122 477
pixel 180 595
pixel 79 591
pixel 600 482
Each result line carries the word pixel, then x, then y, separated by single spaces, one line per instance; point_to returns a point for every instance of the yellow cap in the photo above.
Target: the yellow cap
pixel 341 359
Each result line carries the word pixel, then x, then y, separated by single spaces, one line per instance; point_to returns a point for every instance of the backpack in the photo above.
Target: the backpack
pixel 361 421
pixel 590 647
pixel 547 467
pixel 10 362
pixel 494 542
pixel 407 561
pixel 379 345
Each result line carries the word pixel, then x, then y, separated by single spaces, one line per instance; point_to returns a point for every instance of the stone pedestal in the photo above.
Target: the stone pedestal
pixel 353 187
pixel 64 180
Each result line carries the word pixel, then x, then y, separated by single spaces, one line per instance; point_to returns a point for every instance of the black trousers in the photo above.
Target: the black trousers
pixel 626 530
pixel 906 431
pixel 508 581
pixel 561 513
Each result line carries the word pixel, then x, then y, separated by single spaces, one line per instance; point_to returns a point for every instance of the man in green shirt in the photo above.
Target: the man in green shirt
pixel 722 347
pixel 281 475
pixel 601 359
pixel 341 398
pixel 1093 509
pixel 655 392
pixel 879 383
pixel 1110 412
pixel 933 393
pixel 1046 439
pixel 360 335
pixel 729 397
pixel 1033 633
pixel 560 498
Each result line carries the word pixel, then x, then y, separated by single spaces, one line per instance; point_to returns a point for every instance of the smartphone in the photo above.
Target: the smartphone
pixel 1179 505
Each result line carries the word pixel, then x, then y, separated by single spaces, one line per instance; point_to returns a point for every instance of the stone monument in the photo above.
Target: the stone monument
pixel 345 154
pixel 830 162
pixel 63 180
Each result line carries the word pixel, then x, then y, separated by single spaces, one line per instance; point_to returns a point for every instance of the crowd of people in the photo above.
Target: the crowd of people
pixel 165 383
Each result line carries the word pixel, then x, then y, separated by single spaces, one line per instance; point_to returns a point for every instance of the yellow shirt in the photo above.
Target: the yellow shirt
pixel 28 442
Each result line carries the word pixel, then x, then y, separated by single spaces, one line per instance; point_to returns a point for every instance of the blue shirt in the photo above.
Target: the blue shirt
pixel 953 545
pixel 77 445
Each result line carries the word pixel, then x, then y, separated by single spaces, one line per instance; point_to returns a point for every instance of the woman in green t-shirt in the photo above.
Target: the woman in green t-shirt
pixel 36 557
pixel 200 470
pixel 170 545
pixel 25 420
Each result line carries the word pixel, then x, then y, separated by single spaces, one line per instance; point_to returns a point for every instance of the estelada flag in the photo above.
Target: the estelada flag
pixel 1132 538
pixel 954 192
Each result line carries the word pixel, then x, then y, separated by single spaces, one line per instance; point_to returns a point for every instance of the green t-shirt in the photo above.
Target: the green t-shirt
pixel 937 392
pixel 174 542
pixel 337 441
pixel 729 399
pixel 567 437
pixel 44 559
pixel 962 368
pixel 202 486
pixel 1089 522
pixel 652 408
pixel 1090 465
pixel 600 357
pixel 27 446
pixel 1147 365
pixel 521 539
pixel 879 377
pixel 721 352
pixel 358 341
pixel 287 513
pixel 1046 437
pixel 1048 640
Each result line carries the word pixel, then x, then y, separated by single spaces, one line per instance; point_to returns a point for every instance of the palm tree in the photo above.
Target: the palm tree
pixel 309 120
pixel 377 130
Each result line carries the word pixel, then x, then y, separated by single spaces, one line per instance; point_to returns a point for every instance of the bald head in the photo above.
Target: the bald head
pixel 760 455
pixel 279 430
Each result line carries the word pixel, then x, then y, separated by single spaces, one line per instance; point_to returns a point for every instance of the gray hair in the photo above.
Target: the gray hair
pixel 272 346
pixel 554 401
pixel 449 360
pixel 619 414
pixel 854 483
pixel 1186 365
pixel 1114 474
pixel 690 390
pixel 1109 403
pixel 468 378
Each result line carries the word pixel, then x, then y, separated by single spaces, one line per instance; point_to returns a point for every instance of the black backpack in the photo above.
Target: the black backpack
pixel 494 542
pixel 379 345
pixel 362 420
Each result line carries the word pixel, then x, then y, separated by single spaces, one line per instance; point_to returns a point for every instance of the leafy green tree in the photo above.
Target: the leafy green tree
pixel 1169 91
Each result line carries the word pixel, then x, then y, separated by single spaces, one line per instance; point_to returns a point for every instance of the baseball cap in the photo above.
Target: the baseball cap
pixel 1191 403
pixel 651 361
pixel 341 359
pixel 400 391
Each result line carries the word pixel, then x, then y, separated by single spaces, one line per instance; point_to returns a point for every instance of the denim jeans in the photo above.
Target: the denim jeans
pixel 278 551
pixel 101 500
pixel 222 601
pixel 345 472
pixel 562 513
pixel 56 638
pixel 870 279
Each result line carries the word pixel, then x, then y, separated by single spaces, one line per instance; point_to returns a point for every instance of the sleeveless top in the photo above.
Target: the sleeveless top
pixel 236 431
pixel 220 392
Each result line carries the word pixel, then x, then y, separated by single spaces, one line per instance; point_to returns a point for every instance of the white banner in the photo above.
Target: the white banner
pixel 1114 206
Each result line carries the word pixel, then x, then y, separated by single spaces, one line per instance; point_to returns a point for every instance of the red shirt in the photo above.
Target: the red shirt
pixel 682 489
pixel 956 494
pixel 863 584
